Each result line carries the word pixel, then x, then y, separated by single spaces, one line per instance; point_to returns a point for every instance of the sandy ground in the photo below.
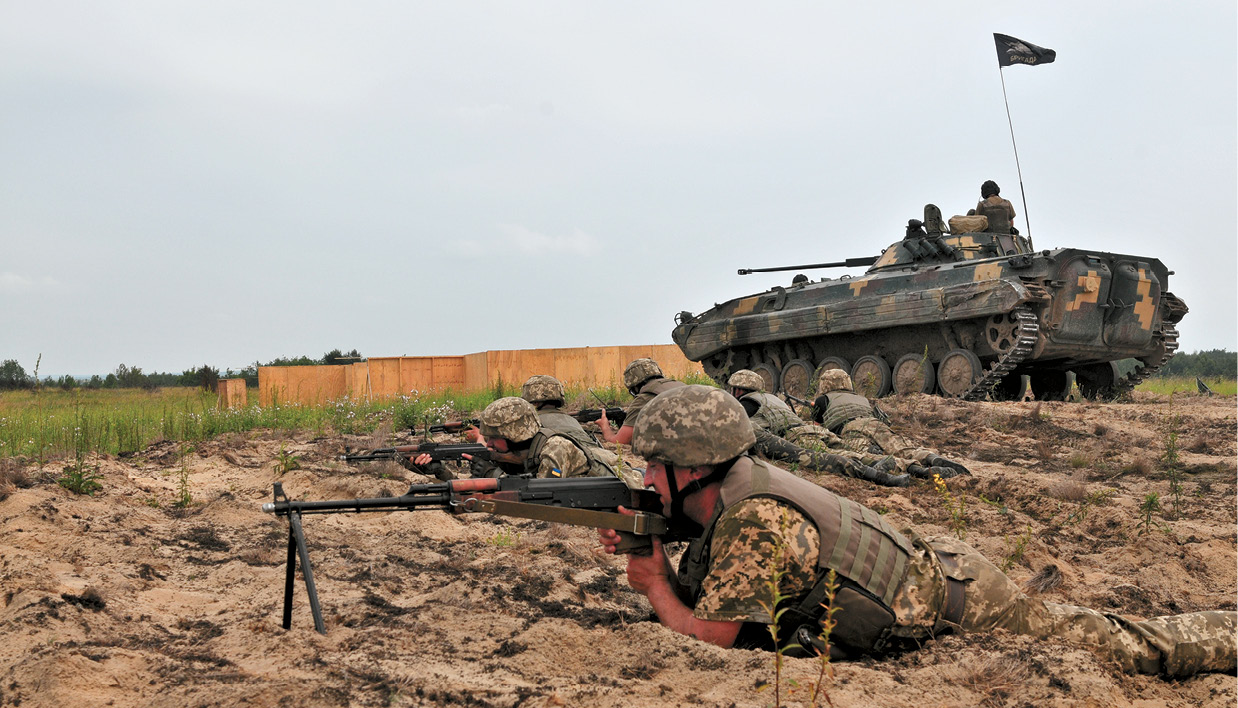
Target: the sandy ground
pixel 122 599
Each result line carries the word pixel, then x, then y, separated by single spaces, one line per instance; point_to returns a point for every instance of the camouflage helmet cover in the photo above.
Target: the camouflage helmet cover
pixel 692 426
pixel 640 371
pixel 511 418
pixel 746 379
pixel 833 380
pixel 542 388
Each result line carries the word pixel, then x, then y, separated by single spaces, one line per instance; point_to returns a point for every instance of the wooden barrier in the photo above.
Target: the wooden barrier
pixel 382 377
pixel 232 393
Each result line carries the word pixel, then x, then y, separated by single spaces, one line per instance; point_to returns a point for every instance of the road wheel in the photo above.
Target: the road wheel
pixel 797 377
pixel 871 376
pixel 957 372
pixel 1011 387
pixel 1097 380
pixel 768 374
pixel 1050 385
pixel 913 373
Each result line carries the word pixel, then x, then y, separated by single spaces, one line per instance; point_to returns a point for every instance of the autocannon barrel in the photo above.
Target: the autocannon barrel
pixel 849 263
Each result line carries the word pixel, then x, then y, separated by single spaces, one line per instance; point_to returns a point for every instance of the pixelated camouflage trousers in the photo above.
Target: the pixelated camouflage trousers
pixel 818 439
pixel 1176 645
pixel 862 434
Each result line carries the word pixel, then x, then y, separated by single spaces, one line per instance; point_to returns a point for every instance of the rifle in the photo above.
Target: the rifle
pixel 589 415
pixel 577 501
pixel 452 426
pixel 436 451
pixel 796 400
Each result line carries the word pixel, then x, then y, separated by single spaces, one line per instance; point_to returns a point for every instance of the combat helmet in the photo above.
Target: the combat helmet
pixel 834 380
pixel 542 388
pixel 640 371
pixel 746 379
pixel 692 426
pixel 513 419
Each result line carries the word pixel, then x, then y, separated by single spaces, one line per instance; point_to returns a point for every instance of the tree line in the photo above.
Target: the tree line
pixel 1211 363
pixel 13 376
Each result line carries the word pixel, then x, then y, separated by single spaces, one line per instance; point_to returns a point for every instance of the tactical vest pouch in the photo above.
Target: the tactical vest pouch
pixel 863 623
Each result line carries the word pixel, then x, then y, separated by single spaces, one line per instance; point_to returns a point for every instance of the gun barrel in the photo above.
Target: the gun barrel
pixel 849 263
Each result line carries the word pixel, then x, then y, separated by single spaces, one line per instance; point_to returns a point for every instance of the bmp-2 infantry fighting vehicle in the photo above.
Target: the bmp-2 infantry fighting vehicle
pixel 963 314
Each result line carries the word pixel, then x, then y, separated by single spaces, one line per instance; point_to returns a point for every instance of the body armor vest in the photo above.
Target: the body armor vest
pixel 564 424
pixel 656 386
pixel 845 407
pixel 533 460
pixel 773 415
pixel 868 556
pixel 997 214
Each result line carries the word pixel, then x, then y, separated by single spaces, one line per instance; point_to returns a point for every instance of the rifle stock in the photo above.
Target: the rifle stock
pixel 578 501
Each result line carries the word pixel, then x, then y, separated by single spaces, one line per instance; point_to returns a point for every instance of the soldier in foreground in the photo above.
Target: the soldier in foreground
pixel 842 411
pixel 643 378
pixel 784 437
pixel 895 591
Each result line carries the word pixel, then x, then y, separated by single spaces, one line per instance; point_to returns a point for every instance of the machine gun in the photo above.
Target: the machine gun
pixel 578 501
pixel 849 263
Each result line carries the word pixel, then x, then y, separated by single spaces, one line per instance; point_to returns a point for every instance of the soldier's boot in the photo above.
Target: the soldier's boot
pixel 1198 642
pixel 886 464
pixel 922 472
pixel 939 461
pixel 853 468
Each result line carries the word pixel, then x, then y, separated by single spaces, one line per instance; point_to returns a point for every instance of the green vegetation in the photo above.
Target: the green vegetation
pixel 1168 385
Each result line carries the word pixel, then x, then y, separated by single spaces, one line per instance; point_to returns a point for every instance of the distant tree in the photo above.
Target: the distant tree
pixel 67 383
pixel 110 381
pixel 13 376
pixel 94 382
pixel 249 373
pixel 131 377
pixel 208 377
pixel 297 361
pixel 335 356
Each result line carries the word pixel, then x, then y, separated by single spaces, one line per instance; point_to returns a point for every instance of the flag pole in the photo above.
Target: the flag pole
pixel 1018 168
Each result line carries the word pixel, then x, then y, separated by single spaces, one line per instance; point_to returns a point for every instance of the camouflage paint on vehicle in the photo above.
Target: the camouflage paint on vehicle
pixel 979 303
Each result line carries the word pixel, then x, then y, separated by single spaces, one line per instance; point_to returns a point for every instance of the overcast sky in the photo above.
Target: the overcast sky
pixel 224 182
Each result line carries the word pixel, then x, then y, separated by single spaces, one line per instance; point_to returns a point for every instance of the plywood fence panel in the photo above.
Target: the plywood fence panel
pixel 447 372
pixel 357 379
pixel 572 367
pixel 476 371
pixel 300 384
pixel 416 374
pixel 232 393
pixel 382 377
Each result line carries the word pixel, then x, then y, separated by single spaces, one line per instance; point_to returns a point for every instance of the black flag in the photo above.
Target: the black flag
pixel 1012 51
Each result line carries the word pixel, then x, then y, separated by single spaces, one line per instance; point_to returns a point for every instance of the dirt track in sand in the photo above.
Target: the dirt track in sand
pixel 122 600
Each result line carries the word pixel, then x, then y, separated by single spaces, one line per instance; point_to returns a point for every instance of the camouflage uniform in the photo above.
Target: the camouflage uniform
pixel 644 394
pixel 863 434
pixel 808 446
pixel 727 579
pixel 549 453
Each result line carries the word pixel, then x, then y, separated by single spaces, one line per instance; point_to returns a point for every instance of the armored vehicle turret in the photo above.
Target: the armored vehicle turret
pixel 965 315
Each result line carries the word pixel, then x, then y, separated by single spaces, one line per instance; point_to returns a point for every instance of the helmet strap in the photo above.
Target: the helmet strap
pixel 681 525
